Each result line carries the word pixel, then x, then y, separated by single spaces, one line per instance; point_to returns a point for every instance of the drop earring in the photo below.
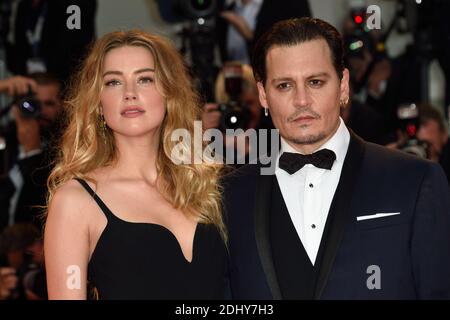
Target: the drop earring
pixel 103 127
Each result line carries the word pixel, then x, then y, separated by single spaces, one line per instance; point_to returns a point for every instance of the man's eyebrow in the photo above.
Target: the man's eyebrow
pixel 314 75
pixel 282 79
pixel 121 73
pixel 318 75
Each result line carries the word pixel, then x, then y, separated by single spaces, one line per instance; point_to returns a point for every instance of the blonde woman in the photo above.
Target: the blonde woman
pixel 121 215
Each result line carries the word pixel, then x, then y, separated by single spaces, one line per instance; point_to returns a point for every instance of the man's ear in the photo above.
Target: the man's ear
pixel 345 85
pixel 262 95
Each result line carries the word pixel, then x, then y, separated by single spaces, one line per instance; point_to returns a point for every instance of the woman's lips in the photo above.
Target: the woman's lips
pixel 132 112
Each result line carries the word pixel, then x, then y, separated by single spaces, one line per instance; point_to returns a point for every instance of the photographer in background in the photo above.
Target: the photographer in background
pixel 234 82
pixel 370 75
pixel 236 107
pixel 423 133
pixel 21 259
pixel 8 281
pixel 434 132
pixel 27 153
pixel 16 85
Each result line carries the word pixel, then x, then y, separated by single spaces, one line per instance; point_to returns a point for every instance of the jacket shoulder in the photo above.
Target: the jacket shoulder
pixel 385 158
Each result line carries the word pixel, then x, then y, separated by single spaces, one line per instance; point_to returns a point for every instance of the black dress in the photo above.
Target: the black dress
pixel 145 261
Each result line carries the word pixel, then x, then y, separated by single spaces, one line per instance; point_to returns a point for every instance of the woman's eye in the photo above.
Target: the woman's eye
pixel 145 80
pixel 111 83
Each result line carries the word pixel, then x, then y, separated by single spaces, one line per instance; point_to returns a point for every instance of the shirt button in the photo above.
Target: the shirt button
pixel 313 226
pixel 311 185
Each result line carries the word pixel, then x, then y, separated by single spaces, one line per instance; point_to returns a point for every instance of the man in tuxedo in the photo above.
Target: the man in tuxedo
pixel 340 218
pixel 29 153
pixel 40 39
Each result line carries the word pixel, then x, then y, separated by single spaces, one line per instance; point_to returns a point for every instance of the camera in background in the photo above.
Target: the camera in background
pixel 28 105
pixel 408 115
pixel 235 113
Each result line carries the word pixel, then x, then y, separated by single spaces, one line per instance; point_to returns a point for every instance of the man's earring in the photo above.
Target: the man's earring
pixel 266 112
pixel 344 102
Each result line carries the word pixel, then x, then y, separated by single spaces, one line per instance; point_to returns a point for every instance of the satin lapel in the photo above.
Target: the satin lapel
pixel 261 216
pixel 338 214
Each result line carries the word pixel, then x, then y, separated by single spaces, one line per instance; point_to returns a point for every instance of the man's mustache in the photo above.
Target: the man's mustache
pixel 305 111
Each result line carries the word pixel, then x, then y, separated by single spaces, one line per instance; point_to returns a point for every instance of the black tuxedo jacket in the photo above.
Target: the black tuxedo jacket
pixel 35 171
pixel 61 48
pixel 411 249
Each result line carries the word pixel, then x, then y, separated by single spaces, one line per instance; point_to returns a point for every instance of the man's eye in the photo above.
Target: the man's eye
pixel 284 85
pixel 145 80
pixel 111 83
pixel 316 83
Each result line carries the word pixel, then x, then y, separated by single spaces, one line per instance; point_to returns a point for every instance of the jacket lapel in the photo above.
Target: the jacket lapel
pixel 261 218
pixel 338 215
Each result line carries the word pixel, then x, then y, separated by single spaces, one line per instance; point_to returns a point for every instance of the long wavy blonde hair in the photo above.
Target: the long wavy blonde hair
pixel 192 188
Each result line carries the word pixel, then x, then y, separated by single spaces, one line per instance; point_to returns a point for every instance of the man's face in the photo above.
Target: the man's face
pixel 303 93
pixel 48 96
pixel 430 132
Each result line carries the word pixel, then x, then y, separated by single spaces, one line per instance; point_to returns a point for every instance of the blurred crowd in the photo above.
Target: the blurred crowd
pixel 41 53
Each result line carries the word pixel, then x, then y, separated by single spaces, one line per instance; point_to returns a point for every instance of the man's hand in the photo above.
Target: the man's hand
pixel 17 85
pixel 8 282
pixel 28 132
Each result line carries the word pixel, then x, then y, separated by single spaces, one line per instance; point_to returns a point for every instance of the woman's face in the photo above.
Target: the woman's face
pixel 132 104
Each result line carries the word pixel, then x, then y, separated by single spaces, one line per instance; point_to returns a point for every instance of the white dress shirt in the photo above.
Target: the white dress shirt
pixel 308 192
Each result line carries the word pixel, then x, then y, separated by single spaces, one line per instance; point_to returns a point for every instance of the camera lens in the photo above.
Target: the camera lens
pixel 200 4
pixel 29 106
pixel 195 9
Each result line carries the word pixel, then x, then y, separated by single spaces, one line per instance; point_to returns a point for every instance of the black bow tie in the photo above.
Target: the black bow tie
pixel 292 162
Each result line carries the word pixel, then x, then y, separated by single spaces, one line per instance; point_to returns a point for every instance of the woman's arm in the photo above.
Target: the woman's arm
pixel 66 243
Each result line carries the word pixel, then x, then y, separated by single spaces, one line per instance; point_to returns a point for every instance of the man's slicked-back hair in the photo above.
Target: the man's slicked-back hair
pixel 292 32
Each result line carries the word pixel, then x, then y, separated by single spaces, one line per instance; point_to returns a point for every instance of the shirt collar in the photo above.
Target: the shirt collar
pixel 338 143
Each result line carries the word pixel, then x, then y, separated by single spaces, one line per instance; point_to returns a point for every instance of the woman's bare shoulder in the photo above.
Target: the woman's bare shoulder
pixel 71 201
pixel 72 191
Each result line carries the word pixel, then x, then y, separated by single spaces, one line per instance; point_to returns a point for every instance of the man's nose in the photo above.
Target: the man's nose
pixel 301 98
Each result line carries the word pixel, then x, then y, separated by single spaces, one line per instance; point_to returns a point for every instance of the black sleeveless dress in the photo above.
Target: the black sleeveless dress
pixel 145 261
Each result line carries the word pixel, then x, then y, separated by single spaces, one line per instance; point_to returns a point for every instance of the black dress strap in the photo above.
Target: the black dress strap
pixel 97 199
